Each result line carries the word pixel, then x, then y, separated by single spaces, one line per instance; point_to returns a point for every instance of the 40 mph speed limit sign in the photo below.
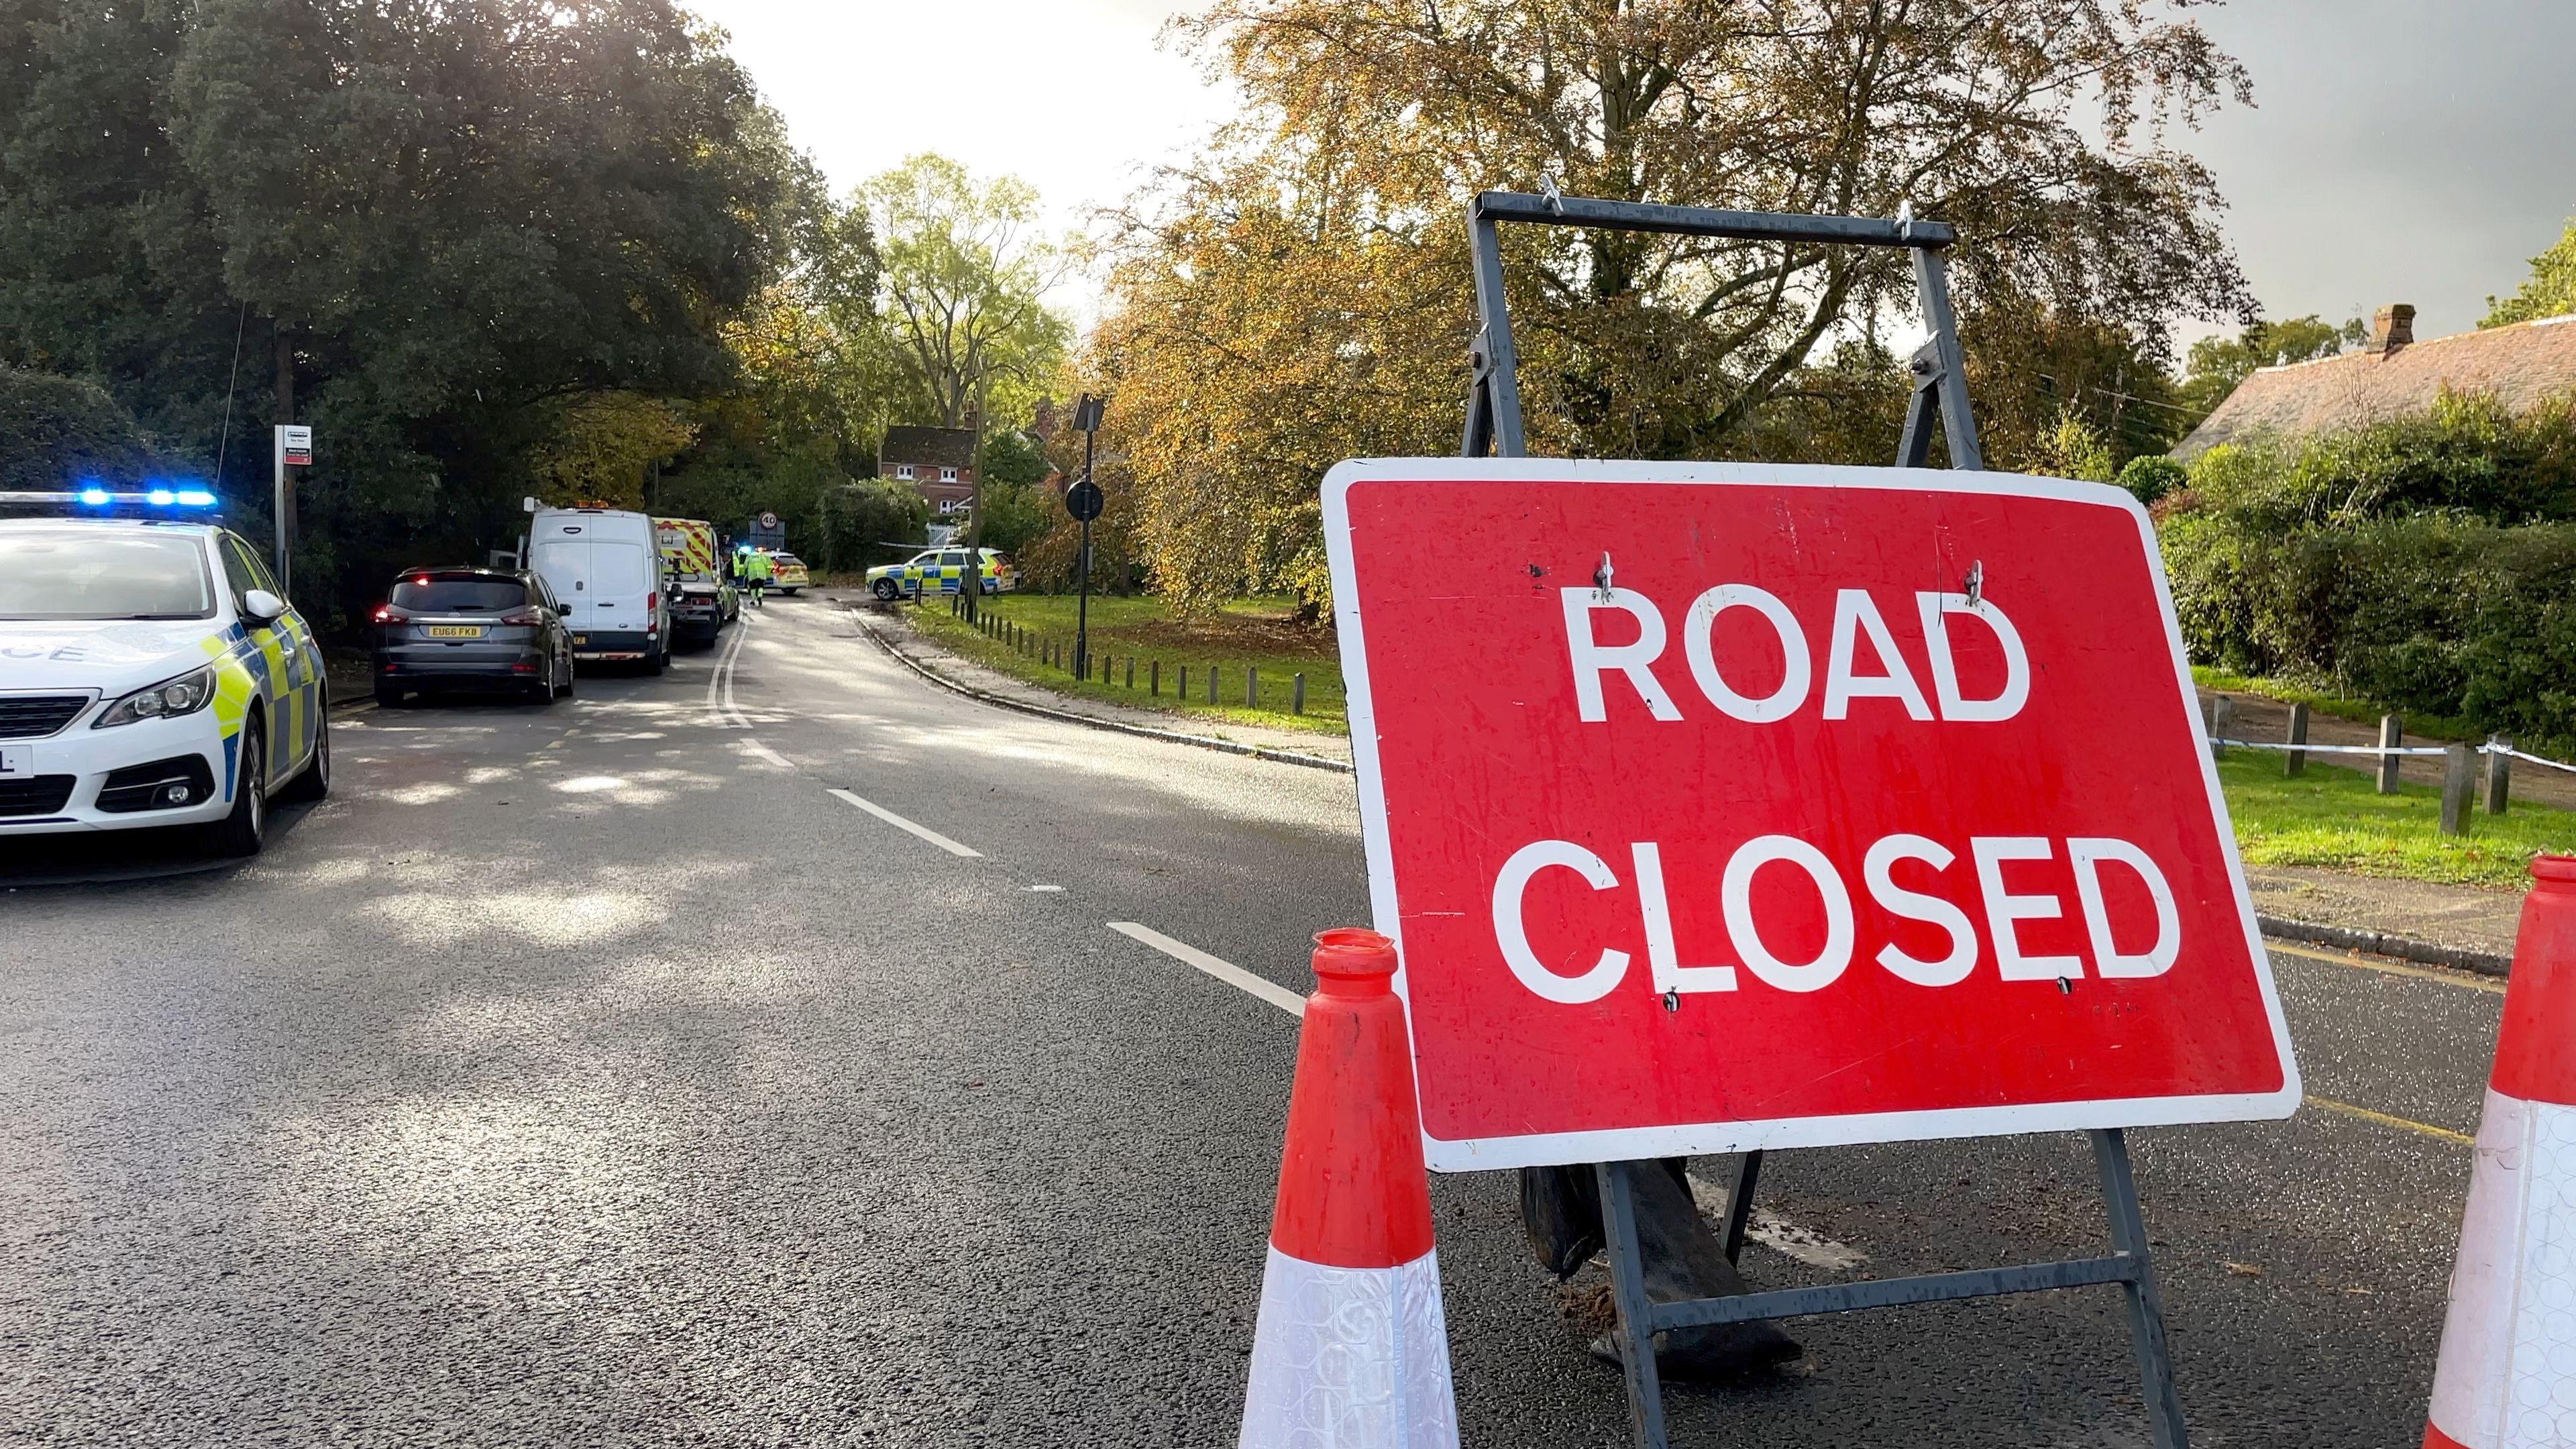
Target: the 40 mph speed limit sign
pixel 1721 806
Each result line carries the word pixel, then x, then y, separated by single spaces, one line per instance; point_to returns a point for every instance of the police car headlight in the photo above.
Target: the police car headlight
pixel 184 695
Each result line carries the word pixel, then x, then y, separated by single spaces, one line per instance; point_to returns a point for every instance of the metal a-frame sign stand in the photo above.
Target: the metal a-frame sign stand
pixel 1940 394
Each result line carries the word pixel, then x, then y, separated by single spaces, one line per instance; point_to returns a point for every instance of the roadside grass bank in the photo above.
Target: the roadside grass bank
pixel 1260 635
pixel 2335 818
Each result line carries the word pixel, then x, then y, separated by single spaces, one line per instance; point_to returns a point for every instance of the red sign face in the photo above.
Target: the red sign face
pixel 1730 806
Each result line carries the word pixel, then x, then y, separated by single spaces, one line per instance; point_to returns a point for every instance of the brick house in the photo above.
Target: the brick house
pixel 938 462
pixel 2391 375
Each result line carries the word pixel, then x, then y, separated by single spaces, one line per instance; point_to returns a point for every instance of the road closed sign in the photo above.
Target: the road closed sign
pixel 1730 806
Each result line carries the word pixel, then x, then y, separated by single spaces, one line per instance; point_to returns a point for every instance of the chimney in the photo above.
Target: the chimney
pixel 2391 327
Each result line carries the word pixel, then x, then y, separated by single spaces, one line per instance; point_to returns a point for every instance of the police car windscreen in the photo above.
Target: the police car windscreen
pixel 104 576
pixel 458 594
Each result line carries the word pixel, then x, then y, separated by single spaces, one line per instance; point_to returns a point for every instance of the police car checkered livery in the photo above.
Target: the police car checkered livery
pixel 151 675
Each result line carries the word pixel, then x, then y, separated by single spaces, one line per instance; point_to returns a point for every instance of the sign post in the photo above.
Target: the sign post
pixel 1083 500
pixel 294 449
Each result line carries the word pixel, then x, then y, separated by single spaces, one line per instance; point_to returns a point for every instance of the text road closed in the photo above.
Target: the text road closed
pixel 1769 833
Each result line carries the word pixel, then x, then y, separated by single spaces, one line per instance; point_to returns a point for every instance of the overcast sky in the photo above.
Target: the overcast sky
pixel 2399 150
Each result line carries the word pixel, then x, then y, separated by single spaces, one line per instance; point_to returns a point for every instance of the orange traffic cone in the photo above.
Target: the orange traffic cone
pixel 1352 1350
pixel 2507 1374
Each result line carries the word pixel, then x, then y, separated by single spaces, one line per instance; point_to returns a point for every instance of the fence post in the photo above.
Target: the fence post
pixel 1212 684
pixel 1131 671
pixel 2390 733
pixel 1185 684
pixel 2219 716
pixel 1156 674
pixel 1297 694
pixel 2499 773
pixel 1251 686
pixel 2459 771
pixel 2297 759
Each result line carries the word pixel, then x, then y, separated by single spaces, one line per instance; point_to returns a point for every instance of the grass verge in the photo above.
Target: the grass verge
pixel 2335 818
pixel 2329 817
pixel 1257 634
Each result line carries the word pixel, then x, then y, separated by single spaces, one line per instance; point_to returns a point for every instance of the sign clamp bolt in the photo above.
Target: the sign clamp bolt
pixel 1672 1001
pixel 1976 582
pixel 1601 577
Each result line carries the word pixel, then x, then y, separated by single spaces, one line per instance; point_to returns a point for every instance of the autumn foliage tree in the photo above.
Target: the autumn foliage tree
pixel 1299 292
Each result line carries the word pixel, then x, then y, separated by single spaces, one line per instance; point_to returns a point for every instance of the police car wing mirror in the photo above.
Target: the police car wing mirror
pixel 263 607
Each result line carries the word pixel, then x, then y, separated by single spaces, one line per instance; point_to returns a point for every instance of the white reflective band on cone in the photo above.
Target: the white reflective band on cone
pixel 2507 1378
pixel 1350 1358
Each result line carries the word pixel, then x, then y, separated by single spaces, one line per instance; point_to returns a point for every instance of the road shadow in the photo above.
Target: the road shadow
pixel 108 857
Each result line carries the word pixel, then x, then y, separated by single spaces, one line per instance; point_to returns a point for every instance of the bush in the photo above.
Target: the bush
pixel 2151 476
pixel 873 522
pixel 2427 564
pixel 56 432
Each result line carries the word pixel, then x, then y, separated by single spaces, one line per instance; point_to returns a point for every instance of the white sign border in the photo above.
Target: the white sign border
pixel 1482 1154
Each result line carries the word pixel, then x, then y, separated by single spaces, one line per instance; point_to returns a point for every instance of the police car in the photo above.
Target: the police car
pixel 151 675
pixel 940 571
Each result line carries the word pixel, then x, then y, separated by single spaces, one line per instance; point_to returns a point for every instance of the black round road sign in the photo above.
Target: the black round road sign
pixel 1083 501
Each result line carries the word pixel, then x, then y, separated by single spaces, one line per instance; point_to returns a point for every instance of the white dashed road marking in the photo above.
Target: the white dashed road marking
pixel 1225 971
pixel 1769 1229
pixel 759 751
pixel 899 823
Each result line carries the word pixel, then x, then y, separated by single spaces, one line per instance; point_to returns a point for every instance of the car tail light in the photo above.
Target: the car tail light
pixel 652 601
pixel 388 614
pixel 527 615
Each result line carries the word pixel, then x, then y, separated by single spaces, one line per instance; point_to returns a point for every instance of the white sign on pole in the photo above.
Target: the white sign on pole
pixel 295 446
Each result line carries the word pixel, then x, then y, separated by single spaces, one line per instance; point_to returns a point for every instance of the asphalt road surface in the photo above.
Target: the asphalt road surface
pixel 610 1073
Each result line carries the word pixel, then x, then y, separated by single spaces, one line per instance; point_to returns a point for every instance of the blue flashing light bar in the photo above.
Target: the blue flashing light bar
pixel 93 496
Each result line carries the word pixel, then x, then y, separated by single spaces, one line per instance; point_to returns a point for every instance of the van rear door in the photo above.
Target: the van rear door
pixel 565 564
pixel 621 586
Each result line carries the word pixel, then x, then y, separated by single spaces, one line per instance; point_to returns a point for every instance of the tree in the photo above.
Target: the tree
pixel 598 446
pixel 961 297
pixel 2550 290
pixel 429 228
pixel 2217 364
pixel 1299 292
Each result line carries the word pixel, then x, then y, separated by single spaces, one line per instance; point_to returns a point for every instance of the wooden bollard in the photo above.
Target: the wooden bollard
pixel 2459 773
pixel 2297 760
pixel 1155 674
pixel 1297 694
pixel 2219 715
pixel 1185 683
pixel 1251 687
pixel 2390 733
pixel 1212 684
pixel 2499 772
pixel 1131 671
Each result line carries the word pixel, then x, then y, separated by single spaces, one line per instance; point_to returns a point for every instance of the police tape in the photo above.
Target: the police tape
pixel 2485 749
pixel 2334 749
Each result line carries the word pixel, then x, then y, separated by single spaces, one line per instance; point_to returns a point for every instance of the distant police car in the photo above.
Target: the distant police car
pixel 151 675
pixel 940 571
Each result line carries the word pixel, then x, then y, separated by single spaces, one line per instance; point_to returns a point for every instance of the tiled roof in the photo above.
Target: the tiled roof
pixel 938 447
pixel 2520 365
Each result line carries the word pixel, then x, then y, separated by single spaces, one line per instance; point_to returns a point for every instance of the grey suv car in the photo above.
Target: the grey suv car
pixel 469 628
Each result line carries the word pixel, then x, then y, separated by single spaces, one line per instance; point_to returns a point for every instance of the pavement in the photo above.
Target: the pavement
pixel 754 1055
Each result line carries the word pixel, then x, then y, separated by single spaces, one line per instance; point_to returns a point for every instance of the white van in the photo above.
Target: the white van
pixel 605 564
